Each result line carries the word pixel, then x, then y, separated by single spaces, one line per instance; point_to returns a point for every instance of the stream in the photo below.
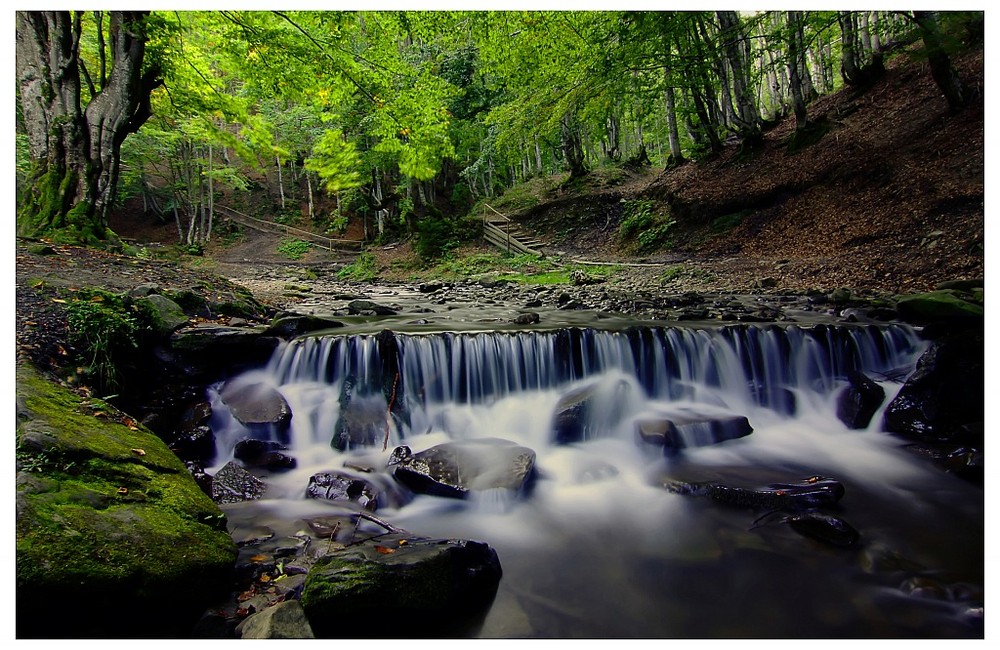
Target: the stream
pixel 597 547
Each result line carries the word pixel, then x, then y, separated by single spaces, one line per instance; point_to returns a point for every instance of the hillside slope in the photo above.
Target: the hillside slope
pixel 891 198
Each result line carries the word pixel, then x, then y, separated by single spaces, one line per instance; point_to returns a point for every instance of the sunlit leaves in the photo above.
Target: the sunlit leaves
pixel 335 160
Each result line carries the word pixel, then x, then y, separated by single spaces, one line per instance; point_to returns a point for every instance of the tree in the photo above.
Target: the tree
pixel 942 71
pixel 75 146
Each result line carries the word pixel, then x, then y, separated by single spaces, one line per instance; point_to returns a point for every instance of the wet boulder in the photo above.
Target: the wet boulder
pixel 339 486
pixel 590 410
pixel 233 484
pixel 825 528
pixel 857 404
pixel 263 453
pixel 164 315
pixel 399 585
pixel 454 469
pixel 943 400
pixel 258 407
pixel 691 429
pixel 935 307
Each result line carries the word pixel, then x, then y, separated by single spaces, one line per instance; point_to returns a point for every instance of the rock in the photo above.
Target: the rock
pixel 857 404
pixel 286 620
pixel 195 444
pixel 839 296
pixel 430 287
pixel 288 325
pixel 121 536
pixel 454 469
pixel 961 285
pixel 527 318
pixel 200 350
pixel 765 283
pixel 165 315
pixel 338 486
pixel 263 453
pixel 938 307
pixel 369 308
pixel 402 586
pixel 691 429
pixel 258 407
pixel 143 290
pixel 943 399
pixel 233 484
pixel 589 410
pixel 825 528
pixel 579 278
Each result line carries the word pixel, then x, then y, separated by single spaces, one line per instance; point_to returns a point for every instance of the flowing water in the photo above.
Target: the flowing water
pixel 597 547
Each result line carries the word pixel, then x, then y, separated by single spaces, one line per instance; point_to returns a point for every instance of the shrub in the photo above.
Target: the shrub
pixel 362 269
pixel 641 224
pixel 103 335
pixel 435 237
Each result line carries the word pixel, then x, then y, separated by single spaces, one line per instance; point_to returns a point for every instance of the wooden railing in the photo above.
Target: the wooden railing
pixel 322 241
pixel 497 231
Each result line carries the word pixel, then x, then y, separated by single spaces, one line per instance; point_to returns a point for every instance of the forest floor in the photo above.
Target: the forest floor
pixel 890 199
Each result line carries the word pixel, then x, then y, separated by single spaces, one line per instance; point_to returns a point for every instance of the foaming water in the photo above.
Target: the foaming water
pixel 597 547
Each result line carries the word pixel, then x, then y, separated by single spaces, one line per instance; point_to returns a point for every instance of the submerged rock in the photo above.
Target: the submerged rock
pixel 454 469
pixel 691 429
pixel 825 528
pixel 288 324
pixel 402 586
pixel 263 453
pixel 590 410
pixel 369 308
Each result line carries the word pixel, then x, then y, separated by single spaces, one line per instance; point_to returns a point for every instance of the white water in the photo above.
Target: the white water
pixel 598 548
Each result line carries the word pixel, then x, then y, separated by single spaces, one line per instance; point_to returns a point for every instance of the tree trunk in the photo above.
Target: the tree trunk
pixel 309 190
pixel 211 196
pixel 855 70
pixel 572 146
pixel 795 47
pixel 281 185
pixel 676 156
pixel 538 155
pixel 75 150
pixel 945 75
pixel 735 47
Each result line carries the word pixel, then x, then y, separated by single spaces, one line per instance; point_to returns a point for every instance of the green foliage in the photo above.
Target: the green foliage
pixel 435 236
pixel 293 249
pixel 335 160
pixel 727 222
pixel 641 227
pixel 104 332
pixel 362 269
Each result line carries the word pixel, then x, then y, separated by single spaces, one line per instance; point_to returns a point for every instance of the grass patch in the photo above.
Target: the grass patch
pixel 362 269
pixel 293 249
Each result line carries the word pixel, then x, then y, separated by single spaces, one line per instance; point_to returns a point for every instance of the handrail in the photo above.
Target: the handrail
pixel 271 226
pixel 501 236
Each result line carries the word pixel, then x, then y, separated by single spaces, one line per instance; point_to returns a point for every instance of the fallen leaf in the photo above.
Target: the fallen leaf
pixel 265 578
pixel 384 550
pixel 403 542
pixel 123 490
pixel 59 300
pixel 139 452
pixel 258 558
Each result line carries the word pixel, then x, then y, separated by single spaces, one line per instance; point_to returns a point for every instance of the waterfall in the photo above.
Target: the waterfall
pixel 780 368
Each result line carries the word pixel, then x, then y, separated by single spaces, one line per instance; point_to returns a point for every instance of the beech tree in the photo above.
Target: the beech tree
pixel 76 120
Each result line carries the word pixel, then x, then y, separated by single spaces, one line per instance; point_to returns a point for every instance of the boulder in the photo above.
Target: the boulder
pixel 363 418
pixel 936 307
pixel 286 620
pixel 857 404
pixel 263 453
pixel 164 315
pixel 258 407
pixel 288 325
pixel 369 308
pixel 454 469
pixel 402 586
pixel 943 400
pixel 233 484
pixel 200 350
pixel 691 429
pixel 110 523
pixel 339 486
pixel 527 318
pixel 589 410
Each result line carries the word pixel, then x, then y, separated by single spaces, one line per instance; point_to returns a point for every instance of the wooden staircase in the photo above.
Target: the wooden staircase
pixel 506 235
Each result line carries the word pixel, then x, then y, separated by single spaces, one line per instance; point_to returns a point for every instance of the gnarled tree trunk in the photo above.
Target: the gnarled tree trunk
pixel 76 149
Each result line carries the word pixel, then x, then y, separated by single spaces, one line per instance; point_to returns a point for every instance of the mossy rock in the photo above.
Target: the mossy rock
pixel 942 306
pixel 111 529
pixel 163 315
pixel 402 586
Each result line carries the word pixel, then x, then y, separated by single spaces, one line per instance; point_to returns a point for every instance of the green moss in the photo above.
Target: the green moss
pixel 107 516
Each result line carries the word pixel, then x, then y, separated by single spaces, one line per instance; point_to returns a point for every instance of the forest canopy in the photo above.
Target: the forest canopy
pixel 397 115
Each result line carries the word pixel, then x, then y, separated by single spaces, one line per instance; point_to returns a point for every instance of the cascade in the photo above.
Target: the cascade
pixel 604 420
